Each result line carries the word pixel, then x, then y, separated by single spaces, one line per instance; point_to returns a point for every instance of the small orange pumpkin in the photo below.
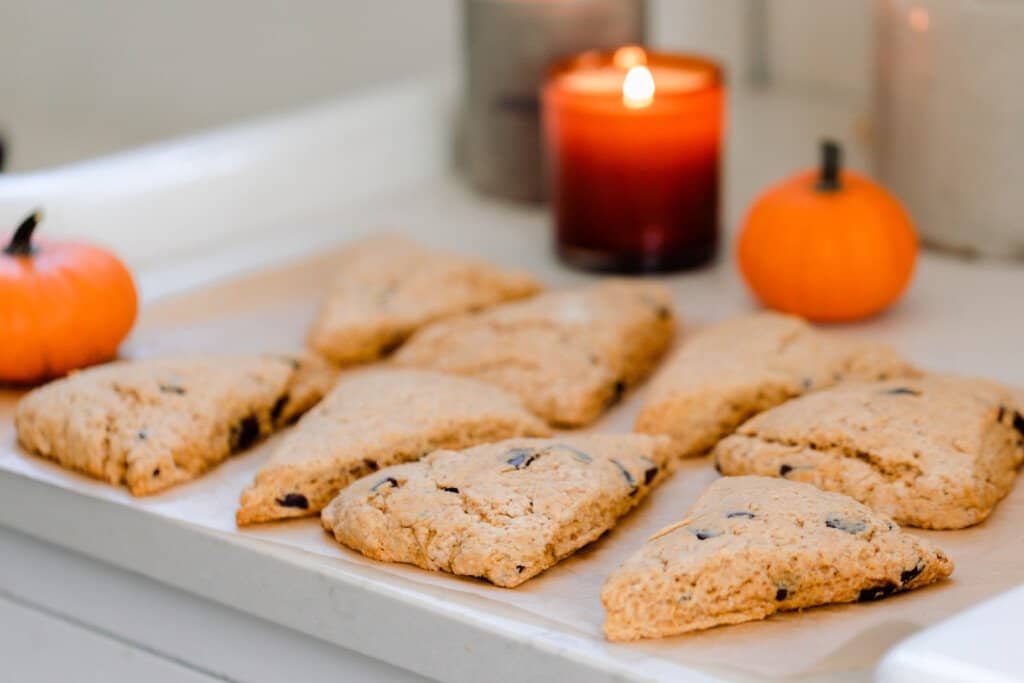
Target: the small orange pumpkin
pixel 828 244
pixel 63 306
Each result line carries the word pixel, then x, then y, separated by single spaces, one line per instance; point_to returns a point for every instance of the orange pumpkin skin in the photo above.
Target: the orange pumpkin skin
pixel 829 256
pixel 63 306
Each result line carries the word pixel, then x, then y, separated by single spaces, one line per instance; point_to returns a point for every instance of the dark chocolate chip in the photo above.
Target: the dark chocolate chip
pixel 850 526
pixel 663 312
pixel 781 594
pixel 156 471
pixel 294 500
pixel 450 489
pixel 784 470
pixel 627 475
pixel 718 465
pixel 371 464
pixel 705 534
pixel 911 574
pixel 390 345
pixel 902 391
pixel 1001 414
pixel 520 458
pixel 142 434
pixel 520 568
pixel 741 513
pixel 389 480
pixel 576 453
pixel 618 389
pixel 876 593
pixel 649 474
pixel 807 383
pixel 172 389
pixel 1018 422
pixel 245 433
pixel 278 409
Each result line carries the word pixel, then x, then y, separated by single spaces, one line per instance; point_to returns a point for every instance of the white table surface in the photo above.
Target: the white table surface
pixel 134 610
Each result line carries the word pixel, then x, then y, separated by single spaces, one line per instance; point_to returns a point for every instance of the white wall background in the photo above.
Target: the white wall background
pixel 82 78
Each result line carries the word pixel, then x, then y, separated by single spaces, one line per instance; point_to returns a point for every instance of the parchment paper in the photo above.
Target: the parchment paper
pixel 270 310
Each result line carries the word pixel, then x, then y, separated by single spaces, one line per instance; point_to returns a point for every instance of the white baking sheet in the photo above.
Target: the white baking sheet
pixel 271 309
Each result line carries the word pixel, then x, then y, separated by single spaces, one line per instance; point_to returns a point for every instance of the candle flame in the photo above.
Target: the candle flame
pixel 638 88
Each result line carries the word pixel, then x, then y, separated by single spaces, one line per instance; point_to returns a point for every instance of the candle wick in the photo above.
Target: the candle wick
pixel 831 164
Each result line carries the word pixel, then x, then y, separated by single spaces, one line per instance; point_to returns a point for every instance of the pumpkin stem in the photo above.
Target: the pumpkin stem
pixel 21 243
pixel 831 163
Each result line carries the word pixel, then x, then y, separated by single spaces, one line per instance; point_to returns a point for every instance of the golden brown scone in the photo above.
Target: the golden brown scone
pixel 754 546
pixel 936 452
pixel 152 424
pixel 387 287
pixel 568 355
pixel 504 512
pixel 733 370
pixel 376 419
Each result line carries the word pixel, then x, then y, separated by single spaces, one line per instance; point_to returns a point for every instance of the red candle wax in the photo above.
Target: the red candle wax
pixel 633 141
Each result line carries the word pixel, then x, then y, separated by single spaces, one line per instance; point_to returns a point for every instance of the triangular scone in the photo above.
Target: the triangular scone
pixel 388 286
pixel 568 355
pixel 151 424
pixel 754 546
pixel 738 368
pixel 936 452
pixel 376 419
pixel 504 512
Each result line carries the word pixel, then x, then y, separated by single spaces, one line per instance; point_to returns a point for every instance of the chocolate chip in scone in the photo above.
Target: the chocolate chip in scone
pixel 156 471
pixel 278 409
pixel 781 594
pixel 618 389
pixel 910 574
pixel 450 489
pixel 785 469
pixel 850 526
pixel 1001 414
pixel 245 433
pixel 705 534
pixel 902 391
pixel 520 458
pixel 172 389
pixel 876 593
pixel 649 474
pixel 142 435
pixel 807 383
pixel 520 568
pixel 741 513
pixel 627 475
pixel 389 480
pixel 293 500
pixel 576 453
pixel 1018 422
pixel 371 464
pixel 718 465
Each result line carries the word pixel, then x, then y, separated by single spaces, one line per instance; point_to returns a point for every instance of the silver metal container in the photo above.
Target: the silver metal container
pixel 950 119
pixel 508 46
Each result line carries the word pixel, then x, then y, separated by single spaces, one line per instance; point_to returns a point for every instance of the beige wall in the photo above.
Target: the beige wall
pixel 82 78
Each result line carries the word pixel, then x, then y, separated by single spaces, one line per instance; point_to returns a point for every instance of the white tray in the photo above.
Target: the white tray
pixel 958 317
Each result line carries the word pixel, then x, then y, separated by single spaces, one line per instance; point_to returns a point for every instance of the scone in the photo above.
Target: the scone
pixel 568 355
pixel 387 287
pixel 731 371
pixel 376 419
pixel 504 512
pixel 152 424
pixel 934 452
pixel 754 546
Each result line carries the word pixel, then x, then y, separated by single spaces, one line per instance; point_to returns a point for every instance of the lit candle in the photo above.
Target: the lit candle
pixel 633 141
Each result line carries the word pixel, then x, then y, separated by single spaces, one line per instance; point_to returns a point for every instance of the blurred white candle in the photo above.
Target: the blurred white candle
pixel 950 113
